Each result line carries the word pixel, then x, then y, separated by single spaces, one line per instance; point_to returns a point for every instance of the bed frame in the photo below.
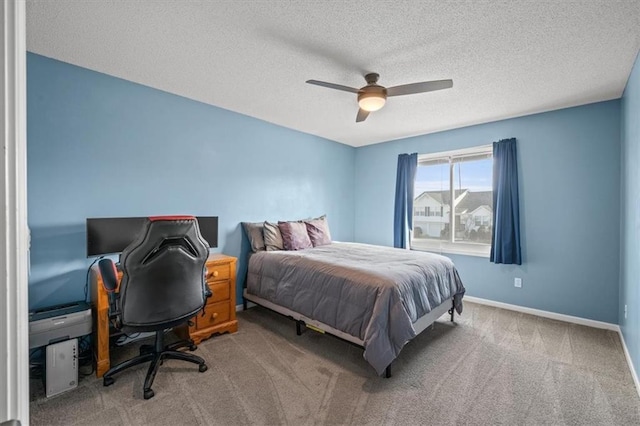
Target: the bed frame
pixel 302 321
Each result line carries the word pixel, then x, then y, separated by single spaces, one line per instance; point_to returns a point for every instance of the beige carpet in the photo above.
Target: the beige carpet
pixel 491 367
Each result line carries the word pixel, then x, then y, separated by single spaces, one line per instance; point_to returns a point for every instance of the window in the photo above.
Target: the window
pixel 453 193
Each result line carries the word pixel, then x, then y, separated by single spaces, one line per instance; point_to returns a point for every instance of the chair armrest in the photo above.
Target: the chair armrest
pixel 109 275
pixel 110 283
pixel 207 290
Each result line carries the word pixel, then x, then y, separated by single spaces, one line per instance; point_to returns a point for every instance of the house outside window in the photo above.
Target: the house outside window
pixel 462 179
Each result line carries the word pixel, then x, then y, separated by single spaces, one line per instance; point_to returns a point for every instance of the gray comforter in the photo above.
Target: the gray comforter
pixel 371 292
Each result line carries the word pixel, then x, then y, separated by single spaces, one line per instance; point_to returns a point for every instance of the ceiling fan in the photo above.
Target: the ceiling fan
pixel 372 97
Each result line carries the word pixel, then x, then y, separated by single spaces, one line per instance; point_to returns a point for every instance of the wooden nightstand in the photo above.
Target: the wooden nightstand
pixel 220 311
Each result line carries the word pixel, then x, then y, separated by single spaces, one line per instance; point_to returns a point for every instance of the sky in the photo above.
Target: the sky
pixel 472 175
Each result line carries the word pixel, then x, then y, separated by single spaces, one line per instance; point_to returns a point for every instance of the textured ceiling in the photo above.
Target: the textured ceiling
pixel 506 59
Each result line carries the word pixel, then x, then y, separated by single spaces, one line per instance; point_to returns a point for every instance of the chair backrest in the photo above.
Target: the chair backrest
pixel 163 274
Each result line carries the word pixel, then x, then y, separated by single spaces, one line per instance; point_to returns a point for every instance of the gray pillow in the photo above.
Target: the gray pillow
pixel 254 232
pixel 272 237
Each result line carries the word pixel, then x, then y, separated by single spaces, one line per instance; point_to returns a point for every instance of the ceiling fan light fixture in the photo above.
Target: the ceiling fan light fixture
pixel 371 101
pixel 372 97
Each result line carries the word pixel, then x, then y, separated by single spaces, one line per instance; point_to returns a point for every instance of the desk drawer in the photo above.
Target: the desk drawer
pixel 220 292
pixel 217 272
pixel 215 313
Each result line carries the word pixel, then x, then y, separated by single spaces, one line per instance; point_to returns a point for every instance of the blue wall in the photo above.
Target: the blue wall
pixel 569 164
pixel 630 229
pixel 102 146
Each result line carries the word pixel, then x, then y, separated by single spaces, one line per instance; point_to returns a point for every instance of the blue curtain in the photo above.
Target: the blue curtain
pixel 403 213
pixel 505 239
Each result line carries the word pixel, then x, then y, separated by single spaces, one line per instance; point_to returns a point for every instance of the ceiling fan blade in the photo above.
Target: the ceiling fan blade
pixel 333 86
pixel 425 86
pixel 362 115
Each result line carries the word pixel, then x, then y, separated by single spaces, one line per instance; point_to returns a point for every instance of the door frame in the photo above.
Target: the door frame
pixel 14 233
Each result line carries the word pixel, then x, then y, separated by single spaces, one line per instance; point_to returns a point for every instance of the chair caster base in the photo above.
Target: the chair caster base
pixel 108 381
pixel 202 368
pixel 148 393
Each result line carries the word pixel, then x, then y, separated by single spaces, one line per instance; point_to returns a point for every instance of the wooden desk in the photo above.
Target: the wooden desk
pixel 219 313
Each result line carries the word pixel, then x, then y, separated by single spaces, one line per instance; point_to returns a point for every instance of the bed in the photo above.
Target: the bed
pixel 376 297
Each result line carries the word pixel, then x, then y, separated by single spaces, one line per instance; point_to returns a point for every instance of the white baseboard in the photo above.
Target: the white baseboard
pixel 627 355
pixel 544 314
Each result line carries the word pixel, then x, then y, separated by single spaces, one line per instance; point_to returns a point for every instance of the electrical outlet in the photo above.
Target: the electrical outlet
pixel 517 282
pixel 625 311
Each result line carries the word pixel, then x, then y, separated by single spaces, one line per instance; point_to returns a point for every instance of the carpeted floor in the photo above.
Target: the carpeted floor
pixel 492 367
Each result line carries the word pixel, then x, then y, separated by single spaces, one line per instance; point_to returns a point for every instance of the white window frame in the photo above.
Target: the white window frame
pixel 452 246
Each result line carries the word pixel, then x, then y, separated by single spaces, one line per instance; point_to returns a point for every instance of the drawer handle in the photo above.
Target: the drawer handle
pixel 214 315
pixel 215 273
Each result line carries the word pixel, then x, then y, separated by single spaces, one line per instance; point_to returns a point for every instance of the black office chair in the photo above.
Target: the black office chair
pixel 163 285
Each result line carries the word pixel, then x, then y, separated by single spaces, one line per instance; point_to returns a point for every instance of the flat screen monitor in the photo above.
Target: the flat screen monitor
pixel 110 235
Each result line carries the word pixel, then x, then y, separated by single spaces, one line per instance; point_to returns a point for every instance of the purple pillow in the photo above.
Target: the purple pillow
pixel 318 230
pixel 294 235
